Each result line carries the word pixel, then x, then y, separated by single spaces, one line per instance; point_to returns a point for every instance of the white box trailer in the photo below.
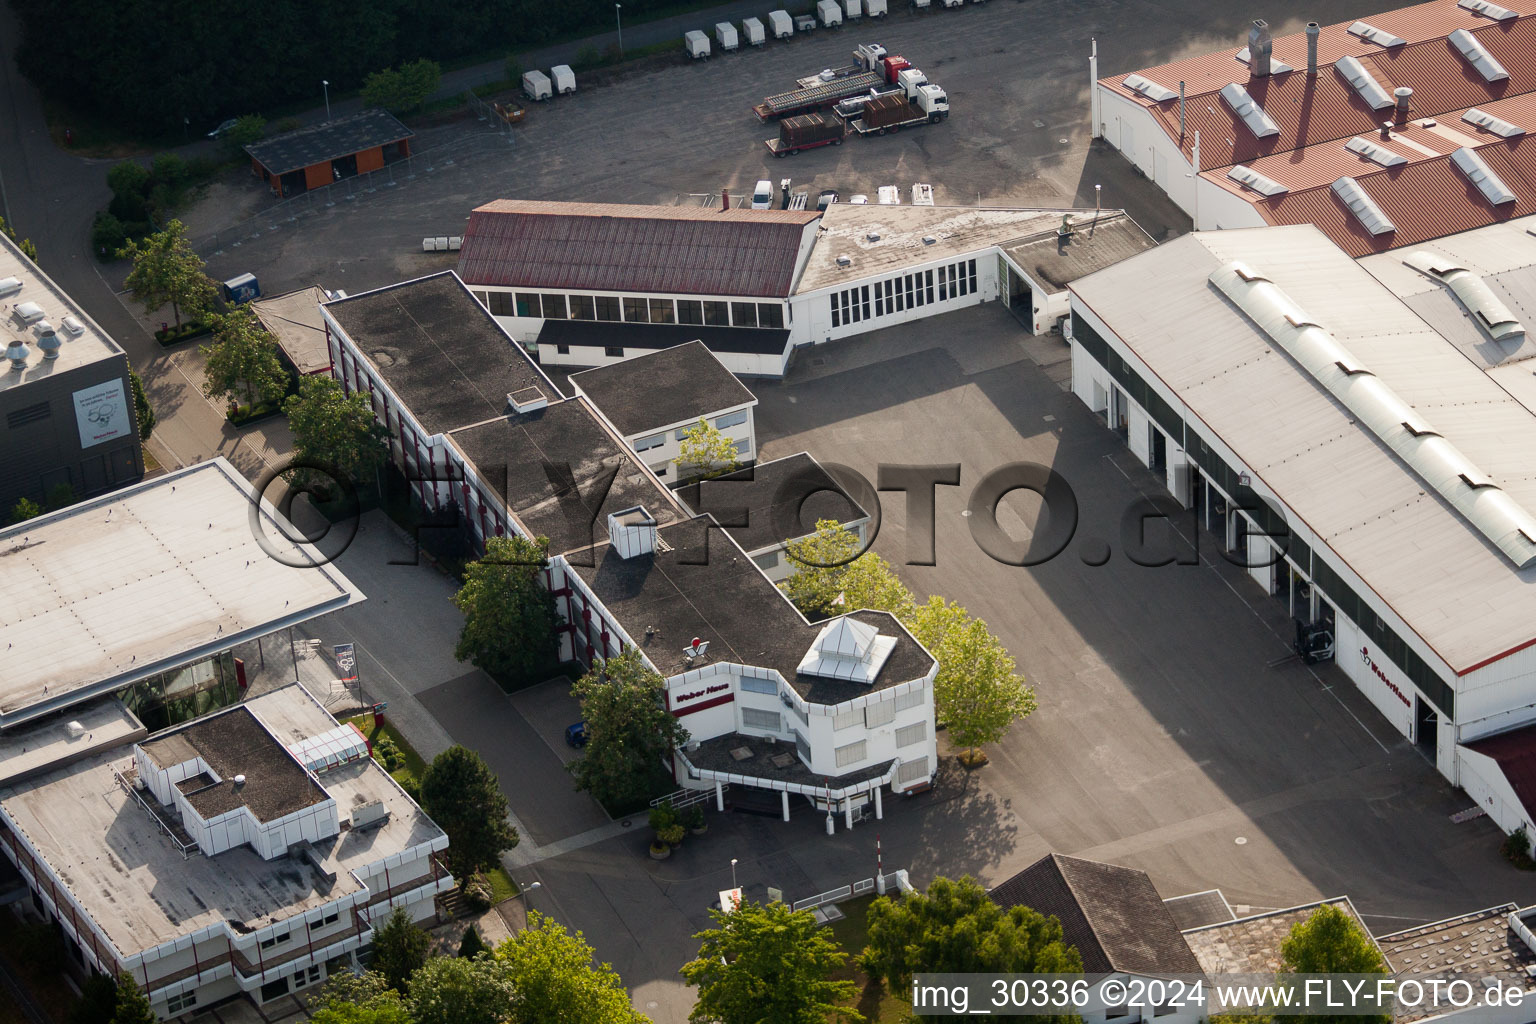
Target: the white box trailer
pixel 565 79
pixel 752 32
pixel 782 24
pixel 725 35
pixel 536 86
pixel 697 44
pixel 830 14
pixel 854 9
pixel 876 8
pixel 889 195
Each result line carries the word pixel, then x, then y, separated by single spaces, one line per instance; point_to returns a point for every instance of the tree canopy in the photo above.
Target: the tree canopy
pixel 243 360
pixel 453 990
pixel 705 453
pixel 558 981
pixel 831 577
pixel 955 928
pixel 399 949
pixel 347 998
pixel 167 272
pixel 404 88
pixel 333 428
pixel 132 1005
pixel 509 618
pixel 977 693
pixel 765 962
pixel 630 732
pixel 1329 941
pixel 461 793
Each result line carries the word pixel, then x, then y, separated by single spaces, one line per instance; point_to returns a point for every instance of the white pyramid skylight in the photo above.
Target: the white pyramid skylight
pixel 847 649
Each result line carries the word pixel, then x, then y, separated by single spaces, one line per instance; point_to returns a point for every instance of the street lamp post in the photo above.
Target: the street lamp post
pixel 733 873
pixel 326 85
pixel 618 17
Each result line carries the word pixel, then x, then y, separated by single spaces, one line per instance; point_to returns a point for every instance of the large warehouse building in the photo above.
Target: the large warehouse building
pixel 588 284
pixel 833 712
pixel 70 427
pixel 1383 132
pixel 1363 432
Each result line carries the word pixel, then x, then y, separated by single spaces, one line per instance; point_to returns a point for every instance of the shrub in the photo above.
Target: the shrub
pixel 612 54
pixel 128 178
pixel 693 817
pixel 287 124
pixel 409 783
pixel 128 207
pixel 514 69
pixel 665 823
pixel 1517 849
pixel 387 754
pixel 59 495
pixel 587 57
pixel 107 235
pixel 472 945
pixel 478 893
pixel 25 509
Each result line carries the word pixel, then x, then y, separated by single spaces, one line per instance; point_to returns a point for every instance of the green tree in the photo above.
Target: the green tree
pixel 243 360
pixel 509 618
pixel 358 999
pixel 1329 941
pixel 955 927
pixel 132 1006
pixel 448 990
pixel 247 130
pixel 768 963
pixel 404 88
pixel 460 792
pixel 630 732
pixel 399 949
pixel 333 428
pixel 25 509
pixel 831 577
pixel 98 998
pixel 166 270
pixel 558 981
pixel 141 407
pixel 28 249
pixel 472 945
pixel 705 453
pixel 977 693
pixel 129 178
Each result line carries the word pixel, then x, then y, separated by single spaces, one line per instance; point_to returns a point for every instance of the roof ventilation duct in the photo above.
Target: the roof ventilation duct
pixel 1375 153
pixel 1372 403
pixel 1372 34
pixel 17 353
pixel 1251 178
pixel 1363 83
pixel 1473 167
pixel 1148 88
pixel 1247 108
pixel 1474 53
pixel 1488 123
pixel 1260 48
pixel 1354 196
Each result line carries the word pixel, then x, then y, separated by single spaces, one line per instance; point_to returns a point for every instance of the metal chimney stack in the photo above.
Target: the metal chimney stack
pixel 1312 34
pixel 1181 111
pixel 725 199
pixel 1403 95
pixel 1260 44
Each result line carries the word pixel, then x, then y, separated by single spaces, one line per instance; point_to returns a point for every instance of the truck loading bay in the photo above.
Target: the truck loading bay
pixel 1165 739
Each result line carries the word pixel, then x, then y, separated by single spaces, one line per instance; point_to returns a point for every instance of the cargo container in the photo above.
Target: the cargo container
pixel 806 132
pixel 871 70
pixel 781 23
pixel 830 14
pixel 752 32
pixel 725 35
pixel 697 44
pixel 893 111
pixel 565 79
pixel 536 86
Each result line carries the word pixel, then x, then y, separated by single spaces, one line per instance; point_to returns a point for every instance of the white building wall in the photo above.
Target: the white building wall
pixel 1485 783
pixel 743 364
pixel 1390 691
pixel 1221 209
pixel 813 310
pixel 660 456
pixel 1131 128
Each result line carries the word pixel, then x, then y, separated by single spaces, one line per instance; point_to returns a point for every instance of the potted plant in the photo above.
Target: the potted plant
pixel 693 819
pixel 668 832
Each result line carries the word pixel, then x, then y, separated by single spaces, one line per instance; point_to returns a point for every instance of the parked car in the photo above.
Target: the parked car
pixel 576 735
pixel 224 127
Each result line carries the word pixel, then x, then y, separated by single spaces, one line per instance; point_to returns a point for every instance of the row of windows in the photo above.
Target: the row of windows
pixel 754 718
pixel 911 699
pixel 752 684
pixel 634 309
pixel 851 753
pixel 897 294
pixel 907 735
pixel 181 1001
pixel 1268 519
pixel 911 771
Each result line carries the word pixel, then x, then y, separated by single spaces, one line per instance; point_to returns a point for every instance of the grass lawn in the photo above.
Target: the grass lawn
pixel 876 1004
pixel 414 765
pixel 502 886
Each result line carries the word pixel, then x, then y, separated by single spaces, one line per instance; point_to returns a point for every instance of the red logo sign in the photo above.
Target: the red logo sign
pixel 1365 655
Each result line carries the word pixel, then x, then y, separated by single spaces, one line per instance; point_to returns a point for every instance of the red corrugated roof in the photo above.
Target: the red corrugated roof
pixel 649 249
pixel 1310 110
pixel 1425 200
pixel 1515 752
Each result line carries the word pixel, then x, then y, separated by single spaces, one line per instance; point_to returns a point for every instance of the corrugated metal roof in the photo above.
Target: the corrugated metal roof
pixel 651 249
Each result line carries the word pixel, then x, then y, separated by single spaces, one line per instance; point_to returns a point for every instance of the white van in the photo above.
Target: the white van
pixel 762 196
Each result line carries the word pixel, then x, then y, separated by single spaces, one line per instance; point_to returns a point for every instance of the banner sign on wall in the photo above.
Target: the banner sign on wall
pixel 101 413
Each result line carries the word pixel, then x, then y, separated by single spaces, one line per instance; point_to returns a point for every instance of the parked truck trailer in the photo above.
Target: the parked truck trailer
pixel 891 112
pixel 871 70
pixel 807 131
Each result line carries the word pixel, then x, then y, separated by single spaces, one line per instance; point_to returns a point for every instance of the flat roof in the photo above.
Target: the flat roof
pixel 716 755
pixel 514 454
pixel 139 889
pixel 294 320
pixel 1442 578
pixel 766 504
pixel 83 341
pixel 1309 109
pixel 144 579
pixel 690 250
pixel 46 743
pixel 234 743
pixel 438 348
pixel 595 334
pixel 662 389
pixel 699 583
pixel 846 228
pixel 1476 945
pixel 1251 945
pixel 329 140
